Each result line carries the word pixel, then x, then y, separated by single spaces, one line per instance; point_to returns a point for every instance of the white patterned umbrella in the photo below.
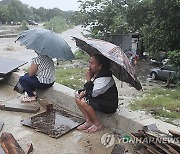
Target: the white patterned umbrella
pixel 120 65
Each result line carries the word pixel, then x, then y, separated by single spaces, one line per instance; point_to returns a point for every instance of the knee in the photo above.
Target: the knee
pixel 21 79
pixel 83 103
pixel 24 78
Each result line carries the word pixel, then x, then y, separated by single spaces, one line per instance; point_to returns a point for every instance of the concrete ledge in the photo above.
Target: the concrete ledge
pixel 123 121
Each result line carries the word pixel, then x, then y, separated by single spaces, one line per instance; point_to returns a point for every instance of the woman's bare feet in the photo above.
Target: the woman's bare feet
pixel 84 126
pixel 93 129
pixel 28 99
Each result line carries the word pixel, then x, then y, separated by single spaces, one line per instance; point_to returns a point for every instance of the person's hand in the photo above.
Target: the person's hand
pixel 88 75
pixel 81 95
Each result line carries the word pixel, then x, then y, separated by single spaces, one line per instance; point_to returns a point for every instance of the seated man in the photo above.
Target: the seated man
pixel 41 75
pixel 99 93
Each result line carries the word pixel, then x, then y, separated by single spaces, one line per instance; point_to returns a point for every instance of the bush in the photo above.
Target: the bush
pixel 58 25
pixel 24 25
pixel 79 54
pixel 174 57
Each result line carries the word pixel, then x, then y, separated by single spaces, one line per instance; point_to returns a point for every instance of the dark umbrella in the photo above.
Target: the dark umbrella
pixel 46 42
pixel 120 65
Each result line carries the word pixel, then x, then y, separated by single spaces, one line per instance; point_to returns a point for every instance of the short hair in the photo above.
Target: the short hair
pixel 105 62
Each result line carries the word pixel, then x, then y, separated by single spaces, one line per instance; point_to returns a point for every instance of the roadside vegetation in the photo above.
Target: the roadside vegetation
pixel 174 57
pixel 73 77
pixel 58 24
pixel 160 102
pixel 80 55
pixel 14 12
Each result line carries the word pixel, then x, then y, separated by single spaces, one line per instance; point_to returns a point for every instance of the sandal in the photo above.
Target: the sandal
pixel 84 126
pixel 34 92
pixel 93 129
pixel 28 99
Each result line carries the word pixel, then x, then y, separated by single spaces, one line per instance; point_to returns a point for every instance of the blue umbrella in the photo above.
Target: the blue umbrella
pixel 46 42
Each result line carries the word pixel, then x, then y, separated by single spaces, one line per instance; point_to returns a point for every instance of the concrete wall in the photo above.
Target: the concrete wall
pixel 124 41
pixel 123 121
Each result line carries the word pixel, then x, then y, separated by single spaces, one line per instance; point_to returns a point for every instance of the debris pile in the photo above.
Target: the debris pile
pixel 156 142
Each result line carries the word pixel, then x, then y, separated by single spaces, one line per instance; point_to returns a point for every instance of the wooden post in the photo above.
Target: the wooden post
pixel 10 145
pixel 168 80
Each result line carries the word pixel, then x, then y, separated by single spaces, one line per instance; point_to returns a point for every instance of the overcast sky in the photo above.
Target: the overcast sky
pixel 64 5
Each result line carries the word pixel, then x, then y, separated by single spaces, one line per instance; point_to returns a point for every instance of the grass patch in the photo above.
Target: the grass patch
pixel 160 102
pixel 79 54
pixel 71 77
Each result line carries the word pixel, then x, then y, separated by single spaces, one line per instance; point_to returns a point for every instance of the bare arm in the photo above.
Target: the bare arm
pixel 33 69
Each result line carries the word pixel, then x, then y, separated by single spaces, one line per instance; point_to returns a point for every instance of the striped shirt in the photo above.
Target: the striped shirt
pixel 46 69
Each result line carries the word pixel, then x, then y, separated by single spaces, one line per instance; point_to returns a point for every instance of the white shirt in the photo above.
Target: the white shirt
pixel 46 69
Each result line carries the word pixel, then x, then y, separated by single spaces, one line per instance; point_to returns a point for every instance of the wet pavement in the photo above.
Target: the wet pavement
pixel 74 142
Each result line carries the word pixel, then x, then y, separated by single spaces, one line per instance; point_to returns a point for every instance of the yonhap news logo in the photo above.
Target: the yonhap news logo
pixel 109 139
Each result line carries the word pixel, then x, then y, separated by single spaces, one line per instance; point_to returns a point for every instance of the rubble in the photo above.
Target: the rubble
pixel 156 142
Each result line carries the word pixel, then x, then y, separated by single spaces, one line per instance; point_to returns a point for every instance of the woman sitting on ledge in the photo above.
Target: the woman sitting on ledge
pixel 99 93
pixel 41 75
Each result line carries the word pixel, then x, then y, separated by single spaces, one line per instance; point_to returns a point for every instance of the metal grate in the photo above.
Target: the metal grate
pixel 55 123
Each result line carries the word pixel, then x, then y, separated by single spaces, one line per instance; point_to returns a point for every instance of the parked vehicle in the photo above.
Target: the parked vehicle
pixel 162 62
pixel 162 73
pixel 31 22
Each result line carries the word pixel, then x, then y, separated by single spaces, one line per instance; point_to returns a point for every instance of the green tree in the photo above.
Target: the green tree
pixel 137 14
pixel 24 25
pixel 174 57
pixel 158 23
pixel 104 17
pixel 57 24
pixel 12 10
pixel 4 14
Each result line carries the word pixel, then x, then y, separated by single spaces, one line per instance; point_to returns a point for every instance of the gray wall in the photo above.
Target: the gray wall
pixel 123 40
